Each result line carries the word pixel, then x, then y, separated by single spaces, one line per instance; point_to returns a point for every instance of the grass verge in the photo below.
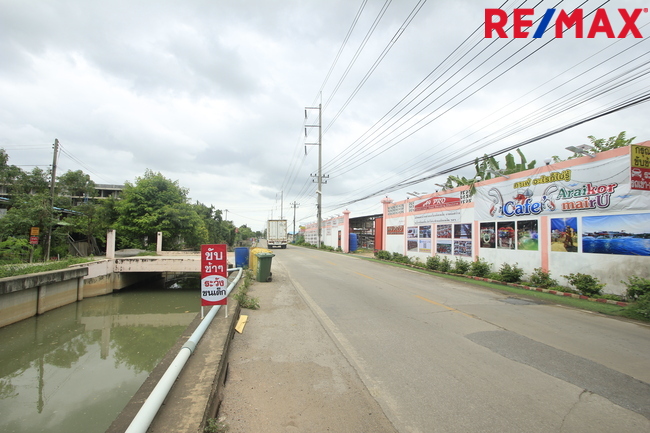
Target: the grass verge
pixel 24 269
pixel 582 304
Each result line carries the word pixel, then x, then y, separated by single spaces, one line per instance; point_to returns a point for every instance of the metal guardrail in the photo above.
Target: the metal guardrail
pixel 152 404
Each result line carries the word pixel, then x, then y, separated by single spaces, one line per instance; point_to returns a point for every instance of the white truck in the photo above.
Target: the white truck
pixel 276 233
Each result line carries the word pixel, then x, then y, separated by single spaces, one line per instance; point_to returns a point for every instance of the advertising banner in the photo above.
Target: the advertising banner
pixel 214 274
pixel 591 187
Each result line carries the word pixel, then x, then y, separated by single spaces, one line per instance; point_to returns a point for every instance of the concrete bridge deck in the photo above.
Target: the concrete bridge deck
pixel 165 263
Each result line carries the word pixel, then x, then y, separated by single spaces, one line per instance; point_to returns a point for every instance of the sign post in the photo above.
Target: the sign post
pixel 214 275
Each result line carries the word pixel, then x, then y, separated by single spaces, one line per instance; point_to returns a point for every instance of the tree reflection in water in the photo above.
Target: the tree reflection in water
pixel 74 368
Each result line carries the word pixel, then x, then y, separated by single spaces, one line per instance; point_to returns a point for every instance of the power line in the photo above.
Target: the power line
pixel 343 155
pixel 390 142
pixel 374 25
pixel 383 54
pixel 640 99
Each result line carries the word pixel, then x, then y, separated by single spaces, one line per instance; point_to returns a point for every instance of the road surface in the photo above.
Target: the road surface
pixel 442 356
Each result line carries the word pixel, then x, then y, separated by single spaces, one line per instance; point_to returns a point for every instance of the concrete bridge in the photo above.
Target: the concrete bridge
pixel 29 295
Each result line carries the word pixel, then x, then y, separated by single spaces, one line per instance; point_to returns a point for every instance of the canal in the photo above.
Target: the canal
pixel 74 369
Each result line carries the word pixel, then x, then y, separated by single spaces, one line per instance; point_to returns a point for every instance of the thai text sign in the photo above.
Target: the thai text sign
pixel 214 274
pixel 581 189
pixel 437 203
pixel 640 167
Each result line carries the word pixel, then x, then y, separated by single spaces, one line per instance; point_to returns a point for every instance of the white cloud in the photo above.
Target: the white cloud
pixel 212 93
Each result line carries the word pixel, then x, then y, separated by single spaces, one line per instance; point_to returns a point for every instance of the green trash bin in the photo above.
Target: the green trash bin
pixel 264 266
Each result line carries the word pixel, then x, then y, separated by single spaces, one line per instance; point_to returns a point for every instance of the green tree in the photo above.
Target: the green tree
pixel 218 230
pixel 34 182
pixel 76 184
pixel 8 173
pixel 244 233
pixel 156 204
pixel 26 211
pixel 602 145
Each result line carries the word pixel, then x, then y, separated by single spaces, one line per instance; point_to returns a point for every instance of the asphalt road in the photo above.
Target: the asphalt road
pixel 443 356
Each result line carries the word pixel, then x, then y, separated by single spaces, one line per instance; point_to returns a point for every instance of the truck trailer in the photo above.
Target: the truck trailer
pixel 276 233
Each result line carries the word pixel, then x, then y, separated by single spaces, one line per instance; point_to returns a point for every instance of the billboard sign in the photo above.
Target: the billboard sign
pixel 214 274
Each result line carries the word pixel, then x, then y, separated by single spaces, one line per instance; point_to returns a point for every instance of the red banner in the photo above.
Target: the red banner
pixel 214 274
pixel 437 202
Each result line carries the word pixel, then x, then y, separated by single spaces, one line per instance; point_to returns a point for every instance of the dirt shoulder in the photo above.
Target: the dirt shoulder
pixel 287 375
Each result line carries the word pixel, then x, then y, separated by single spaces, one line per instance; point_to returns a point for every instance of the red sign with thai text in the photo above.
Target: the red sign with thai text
pixel 214 274
pixel 437 202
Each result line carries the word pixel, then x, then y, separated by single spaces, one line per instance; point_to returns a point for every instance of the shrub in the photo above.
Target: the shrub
pixel 433 263
pixel 585 284
pixel 461 266
pixel 215 426
pixel 382 255
pixel 14 250
pixel 541 278
pixel 494 276
pixel 480 268
pixel 418 263
pixel 445 265
pixel 641 308
pixel 636 287
pixel 510 273
pixel 400 258
pixel 246 301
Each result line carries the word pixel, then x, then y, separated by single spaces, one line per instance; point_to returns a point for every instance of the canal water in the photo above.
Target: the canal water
pixel 74 369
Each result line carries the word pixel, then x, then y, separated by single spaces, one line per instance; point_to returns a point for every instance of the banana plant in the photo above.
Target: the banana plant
pixel 485 168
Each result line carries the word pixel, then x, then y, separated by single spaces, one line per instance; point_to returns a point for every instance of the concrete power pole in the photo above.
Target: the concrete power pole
pixel 319 175
pixel 294 205
pixel 52 183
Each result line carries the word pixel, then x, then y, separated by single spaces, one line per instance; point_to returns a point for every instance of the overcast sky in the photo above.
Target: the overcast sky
pixel 212 94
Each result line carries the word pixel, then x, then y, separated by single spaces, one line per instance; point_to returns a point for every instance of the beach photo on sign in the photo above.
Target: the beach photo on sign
pixel 617 234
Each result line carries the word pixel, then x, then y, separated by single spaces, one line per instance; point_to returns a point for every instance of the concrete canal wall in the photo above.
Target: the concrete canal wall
pixel 28 295
pixel 25 296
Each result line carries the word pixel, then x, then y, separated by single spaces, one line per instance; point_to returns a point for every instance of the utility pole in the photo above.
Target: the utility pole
pixel 226 210
pixel 52 183
pixel 294 205
pixel 319 175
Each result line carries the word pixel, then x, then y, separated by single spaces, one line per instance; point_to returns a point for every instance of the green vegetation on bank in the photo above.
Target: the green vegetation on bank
pixel 246 301
pixel 16 269
pixel 74 213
